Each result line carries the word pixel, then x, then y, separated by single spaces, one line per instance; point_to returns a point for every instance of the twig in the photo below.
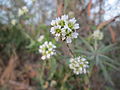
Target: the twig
pixel 103 24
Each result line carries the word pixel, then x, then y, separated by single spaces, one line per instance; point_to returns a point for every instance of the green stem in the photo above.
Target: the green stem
pixel 42 75
pixel 95 45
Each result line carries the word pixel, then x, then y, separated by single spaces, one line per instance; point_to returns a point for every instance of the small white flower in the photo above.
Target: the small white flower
pixel 76 26
pixel 64 28
pixel 48 56
pixel 64 17
pixel 72 24
pixel 68 39
pixel 53 22
pixel 56 30
pixel 13 22
pixel 25 9
pixel 40 38
pixel 43 57
pixel 72 20
pixel 97 35
pixel 57 20
pixel 22 11
pixel 79 65
pixel 47 50
pixel 74 35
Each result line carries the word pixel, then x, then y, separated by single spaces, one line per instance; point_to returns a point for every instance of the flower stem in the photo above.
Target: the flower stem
pixel 71 53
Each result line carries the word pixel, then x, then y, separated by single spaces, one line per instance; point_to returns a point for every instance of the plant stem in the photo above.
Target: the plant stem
pixel 95 45
pixel 64 80
pixel 71 53
pixel 42 74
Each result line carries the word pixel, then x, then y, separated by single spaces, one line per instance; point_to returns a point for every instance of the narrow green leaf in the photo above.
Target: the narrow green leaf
pixel 83 51
pixel 97 60
pixel 105 73
pixel 106 58
pixel 53 66
pixel 111 65
pixel 107 48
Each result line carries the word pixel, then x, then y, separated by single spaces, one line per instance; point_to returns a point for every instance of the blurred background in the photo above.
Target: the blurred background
pixel 22 22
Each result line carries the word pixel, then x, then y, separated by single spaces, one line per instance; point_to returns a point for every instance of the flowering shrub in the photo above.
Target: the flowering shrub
pixel 59 45
pixel 61 57
pixel 65 29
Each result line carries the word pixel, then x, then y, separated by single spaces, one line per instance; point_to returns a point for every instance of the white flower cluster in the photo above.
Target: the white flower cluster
pixel 47 50
pixel 97 35
pixel 22 11
pixel 79 65
pixel 64 28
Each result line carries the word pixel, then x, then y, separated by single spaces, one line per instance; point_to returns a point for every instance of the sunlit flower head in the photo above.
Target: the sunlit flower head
pixel 47 50
pixel 79 65
pixel 97 35
pixel 64 28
